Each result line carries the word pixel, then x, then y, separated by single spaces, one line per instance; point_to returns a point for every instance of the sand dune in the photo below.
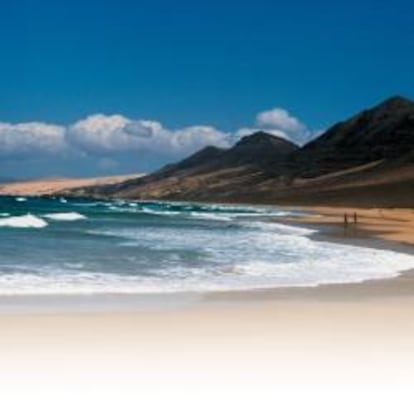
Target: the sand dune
pixel 54 185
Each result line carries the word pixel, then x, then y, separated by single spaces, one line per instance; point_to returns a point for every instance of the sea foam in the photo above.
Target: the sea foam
pixel 26 221
pixel 71 216
pixel 196 248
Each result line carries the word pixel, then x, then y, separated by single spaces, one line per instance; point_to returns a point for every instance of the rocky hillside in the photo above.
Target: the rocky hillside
pixel 226 172
pixel 366 160
pixel 381 133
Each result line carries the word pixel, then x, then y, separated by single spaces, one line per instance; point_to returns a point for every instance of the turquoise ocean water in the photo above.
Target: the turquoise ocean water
pixel 80 246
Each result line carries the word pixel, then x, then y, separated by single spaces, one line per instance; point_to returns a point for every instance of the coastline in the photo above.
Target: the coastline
pixel 395 226
pixel 237 347
pixel 393 289
pixel 329 228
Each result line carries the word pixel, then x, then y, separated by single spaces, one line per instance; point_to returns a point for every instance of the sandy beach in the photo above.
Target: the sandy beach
pixel 252 350
pixel 392 224
pixel 246 351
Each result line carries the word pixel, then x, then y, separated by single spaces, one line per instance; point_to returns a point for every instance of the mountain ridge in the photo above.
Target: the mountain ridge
pixel 372 151
pixel 368 136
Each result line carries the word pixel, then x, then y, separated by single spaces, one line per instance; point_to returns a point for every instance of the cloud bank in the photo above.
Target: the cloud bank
pixel 108 142
pixel 17 140
pixel 100 134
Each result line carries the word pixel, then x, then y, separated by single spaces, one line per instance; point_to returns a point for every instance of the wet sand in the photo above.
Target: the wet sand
pixel 392 224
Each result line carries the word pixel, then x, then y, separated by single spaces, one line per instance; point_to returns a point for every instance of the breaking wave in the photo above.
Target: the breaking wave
pixel 26 221
pixel 156 247
pixel 71 216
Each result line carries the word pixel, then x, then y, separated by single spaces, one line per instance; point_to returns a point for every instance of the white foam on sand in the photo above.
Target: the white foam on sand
pixel 26 221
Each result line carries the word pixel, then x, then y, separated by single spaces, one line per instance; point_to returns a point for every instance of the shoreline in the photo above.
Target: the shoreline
pixel 334 340
pixel 396 287
pixel 391 227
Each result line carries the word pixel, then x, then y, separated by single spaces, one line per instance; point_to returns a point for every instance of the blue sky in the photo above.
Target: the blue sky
pixel 185 64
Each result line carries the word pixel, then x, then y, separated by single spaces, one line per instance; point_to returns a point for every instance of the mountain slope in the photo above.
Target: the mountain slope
pixel 367 160
pixel 222 171
pixel 383 132
pixel 257 150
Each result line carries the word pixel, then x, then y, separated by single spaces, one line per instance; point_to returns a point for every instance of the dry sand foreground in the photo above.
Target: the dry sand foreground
pixel 244 354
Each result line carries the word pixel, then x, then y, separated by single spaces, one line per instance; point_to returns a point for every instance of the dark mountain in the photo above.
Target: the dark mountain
pixel 259 149
pixel 367 160
pixel 246 163
pixel 202 157
pixel 381 133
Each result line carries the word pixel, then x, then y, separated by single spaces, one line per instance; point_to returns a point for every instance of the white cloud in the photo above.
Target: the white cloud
pixel 114 141
pixel 195 137
pixel 17 140
pixel 105 136
pixel 101 134
pixel 281 122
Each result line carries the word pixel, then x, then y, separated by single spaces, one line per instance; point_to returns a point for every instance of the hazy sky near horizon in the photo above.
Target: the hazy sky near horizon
pixel 104 87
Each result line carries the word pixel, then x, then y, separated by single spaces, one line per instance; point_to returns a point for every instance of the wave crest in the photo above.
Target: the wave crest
pixel 71 216
pixel 26 221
